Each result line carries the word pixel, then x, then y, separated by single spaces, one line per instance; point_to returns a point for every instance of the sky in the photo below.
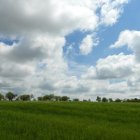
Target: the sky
pixel 78 48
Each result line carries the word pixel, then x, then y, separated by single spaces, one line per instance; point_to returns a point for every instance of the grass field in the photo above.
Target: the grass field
pixel 69 121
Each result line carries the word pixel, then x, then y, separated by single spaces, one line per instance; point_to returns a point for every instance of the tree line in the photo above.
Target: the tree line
pixel 10 96
pixel 27 97
pixel 104 99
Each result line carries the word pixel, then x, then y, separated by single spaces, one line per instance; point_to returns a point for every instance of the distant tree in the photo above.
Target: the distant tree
pixel 104 99
pixel 1 97
pixel 25 97
pixel 84 100
pixel 65 98
pixel 57 98
pixel 132 100
pixel 118 100
pixel 76 100
pixel 10 96
pixel 136 100
pixel 46 98
pixel 110 100
pixel 51 97
pixel 40 98
pixel 98 99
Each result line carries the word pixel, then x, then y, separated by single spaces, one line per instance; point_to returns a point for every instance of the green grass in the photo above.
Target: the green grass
pixel 69 121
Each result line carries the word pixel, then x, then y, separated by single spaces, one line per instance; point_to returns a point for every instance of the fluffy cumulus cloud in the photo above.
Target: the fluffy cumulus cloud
pixel 131 39
pixel 34 62
pixel 115 66
pixel 88 43
pixel 123 69
pixel 111 11
pixel 115 76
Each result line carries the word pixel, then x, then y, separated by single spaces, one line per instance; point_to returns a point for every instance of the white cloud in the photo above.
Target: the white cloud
pixel 111 11
pixel 86 45
pixel 114 76
pixel 131 39
pixel 115 66
pixel 36 61
pixel 55 17
pixel 112 67
pixel 51 16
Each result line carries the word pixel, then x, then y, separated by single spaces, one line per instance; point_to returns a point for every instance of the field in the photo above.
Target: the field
pixel 69 121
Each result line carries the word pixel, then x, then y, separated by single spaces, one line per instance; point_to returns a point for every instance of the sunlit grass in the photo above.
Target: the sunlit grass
pixel 69 121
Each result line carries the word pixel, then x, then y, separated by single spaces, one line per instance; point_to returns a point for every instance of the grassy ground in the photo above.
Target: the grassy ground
pixel 69 121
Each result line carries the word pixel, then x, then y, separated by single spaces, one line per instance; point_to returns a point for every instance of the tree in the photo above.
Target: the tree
pixel 76 100
pixel 1 97
pixel 51 97
pixel 110 100
pixel 25 97
pixel 65 98
pixel 98 99
pixel 133 100
pixel 118 100
pixel 10 96
pixel 46 98
pixel 57 98
pixel 104 99
pixel 40 98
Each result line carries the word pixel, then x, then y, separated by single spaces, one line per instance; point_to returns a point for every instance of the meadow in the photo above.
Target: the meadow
pixel 69 121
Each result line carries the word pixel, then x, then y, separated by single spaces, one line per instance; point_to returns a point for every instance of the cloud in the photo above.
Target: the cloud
pixel 114 76
pixel 131 39
pixel 55 17
pixel 22 52
pixel 111 11
pixel 35 63
pixel 112 67
pixel 115 66
pixel 87 44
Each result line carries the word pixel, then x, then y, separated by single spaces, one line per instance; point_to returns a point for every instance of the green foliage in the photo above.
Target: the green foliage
pixel 76 100
pixel 57 98
pixel 48 97
pixel 136 100
pixel 104 99
pixel 10 96
pixel 40 98
pixel 110 100
pixel 98 99
pixel 65 98
pixel 1 97
pixel 25 97
pixel 118 100
pixel 69 121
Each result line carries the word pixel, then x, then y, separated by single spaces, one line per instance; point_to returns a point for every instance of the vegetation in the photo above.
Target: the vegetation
pixel 76 99
pixel 10 96
pixel 56 118
pixel 25 97
pixel 51 97
pixel 69 121
pixel 98 99
pixel 104 99
pixel 1 97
